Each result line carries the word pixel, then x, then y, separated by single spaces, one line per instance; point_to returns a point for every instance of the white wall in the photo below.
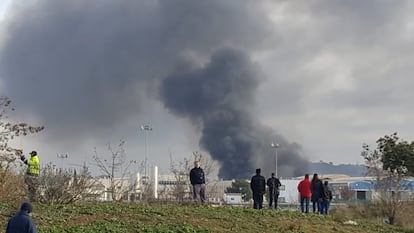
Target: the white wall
pixel 290 192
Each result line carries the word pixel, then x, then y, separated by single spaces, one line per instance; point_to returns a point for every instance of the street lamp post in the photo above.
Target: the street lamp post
pixel 275 145
pixel 62 157
pixel 146 128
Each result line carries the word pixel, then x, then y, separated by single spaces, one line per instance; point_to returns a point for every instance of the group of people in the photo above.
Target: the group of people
pixel 257 184
pixel 314 191
pixel 22 222
pixel 258 187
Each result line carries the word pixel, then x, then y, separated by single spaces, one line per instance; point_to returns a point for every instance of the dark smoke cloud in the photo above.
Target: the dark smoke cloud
pixel 83 68
pixel 218 98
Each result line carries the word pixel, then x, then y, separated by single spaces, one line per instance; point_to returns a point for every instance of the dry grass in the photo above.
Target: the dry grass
pixel 403 219
pixel 12 187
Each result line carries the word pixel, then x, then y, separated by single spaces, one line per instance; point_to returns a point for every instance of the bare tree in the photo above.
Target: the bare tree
pixel 116 169
pixel 65 186
pixel 346 193
pixel 390 163
pixel 9 180
pixel 181 188
pixel 209 165
pixel 12 187
pixel 9 130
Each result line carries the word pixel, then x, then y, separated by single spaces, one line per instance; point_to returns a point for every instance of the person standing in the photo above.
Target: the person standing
pixel 327 198
pixel 32 174
pixel 305 193
pixel 273 183
pixel 21 222
pixel 198 182
pixel 317 194
pixel 258 186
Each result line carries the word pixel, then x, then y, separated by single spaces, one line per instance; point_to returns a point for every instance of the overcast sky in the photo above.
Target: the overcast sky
pixel 222 77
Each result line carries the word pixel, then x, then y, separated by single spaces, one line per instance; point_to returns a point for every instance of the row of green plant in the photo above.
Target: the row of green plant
pixel 113 217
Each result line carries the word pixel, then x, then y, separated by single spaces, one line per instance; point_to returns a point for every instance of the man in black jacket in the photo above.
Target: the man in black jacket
pixel 258 186
pixel 21 222
pixel 273 183
pixel 198 181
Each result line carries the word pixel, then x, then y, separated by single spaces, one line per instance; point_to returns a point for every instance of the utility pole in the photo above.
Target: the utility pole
pixel 275 146
pixel 146 128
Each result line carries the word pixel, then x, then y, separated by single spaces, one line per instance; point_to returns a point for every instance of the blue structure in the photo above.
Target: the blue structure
pixel 406 185
pixel 361 186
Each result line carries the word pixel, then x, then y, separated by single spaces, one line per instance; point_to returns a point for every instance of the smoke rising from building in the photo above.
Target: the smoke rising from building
pixel 83 68
pixel 218 98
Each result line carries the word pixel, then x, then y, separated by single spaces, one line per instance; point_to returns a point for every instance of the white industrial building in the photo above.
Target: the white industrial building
pixel 178 189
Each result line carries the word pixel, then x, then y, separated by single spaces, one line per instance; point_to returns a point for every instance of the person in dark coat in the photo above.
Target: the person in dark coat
pixel 317 194
pixel 21 222
pixel 198 182
pixel 327 198
pixel 273 183
pixel 258 186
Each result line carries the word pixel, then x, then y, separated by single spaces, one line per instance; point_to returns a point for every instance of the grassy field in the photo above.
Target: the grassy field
pixel 108 217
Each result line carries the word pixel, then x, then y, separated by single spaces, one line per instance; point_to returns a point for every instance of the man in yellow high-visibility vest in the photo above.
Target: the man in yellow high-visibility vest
pixel 32 174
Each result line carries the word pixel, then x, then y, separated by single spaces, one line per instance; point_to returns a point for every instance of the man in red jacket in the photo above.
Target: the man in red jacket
pixel 305 193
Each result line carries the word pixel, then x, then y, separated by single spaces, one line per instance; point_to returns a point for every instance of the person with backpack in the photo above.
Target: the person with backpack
pixel 327 198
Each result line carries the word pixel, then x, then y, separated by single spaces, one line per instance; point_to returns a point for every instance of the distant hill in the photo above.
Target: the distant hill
pixel 330 168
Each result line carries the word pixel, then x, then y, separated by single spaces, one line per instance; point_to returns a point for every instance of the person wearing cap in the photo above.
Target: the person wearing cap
pixel 32 173
pixel 21 222
pixel 258 186
pixel 273 183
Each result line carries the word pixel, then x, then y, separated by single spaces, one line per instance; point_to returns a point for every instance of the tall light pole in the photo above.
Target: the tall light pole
pixel 275 145
pixel 146 128
pixel 62 156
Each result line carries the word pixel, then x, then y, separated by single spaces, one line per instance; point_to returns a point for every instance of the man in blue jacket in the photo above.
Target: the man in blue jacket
pixel 198 181
pixel 21 222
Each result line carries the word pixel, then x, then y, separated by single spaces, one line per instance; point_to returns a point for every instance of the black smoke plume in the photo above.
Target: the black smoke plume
pixel 219 98
pixel 85 68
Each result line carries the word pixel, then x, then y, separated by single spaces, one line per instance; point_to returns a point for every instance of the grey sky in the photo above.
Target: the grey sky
pixel 334 74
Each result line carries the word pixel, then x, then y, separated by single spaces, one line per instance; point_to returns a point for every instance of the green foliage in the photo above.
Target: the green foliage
pixel 240 186
pixel 392 155
pixel 123 218
pixel 390 163
pixel 179 228
pixel 397 155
